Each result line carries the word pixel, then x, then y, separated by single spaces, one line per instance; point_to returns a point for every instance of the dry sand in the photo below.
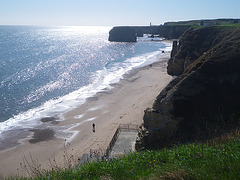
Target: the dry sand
pixel 124 103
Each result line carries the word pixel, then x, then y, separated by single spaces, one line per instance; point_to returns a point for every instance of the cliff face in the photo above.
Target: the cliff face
pixel 122 34
pixel 172 32
pixel 129 33
pixel 190 47
pixel 204 100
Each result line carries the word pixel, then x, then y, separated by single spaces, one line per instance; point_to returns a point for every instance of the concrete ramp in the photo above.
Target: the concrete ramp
pixel 124 143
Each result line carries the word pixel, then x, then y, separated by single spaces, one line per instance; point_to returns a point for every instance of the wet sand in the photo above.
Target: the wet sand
pixel 41 135
pixel 124 103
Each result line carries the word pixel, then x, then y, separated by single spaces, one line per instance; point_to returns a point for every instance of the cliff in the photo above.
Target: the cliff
pixel 129 33
pixel 122 34
pixel 204 100
pixel 191 46
pixel 172 32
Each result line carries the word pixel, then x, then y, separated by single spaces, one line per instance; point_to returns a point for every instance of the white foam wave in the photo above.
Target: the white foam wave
pixel 79 116
pixel 101 80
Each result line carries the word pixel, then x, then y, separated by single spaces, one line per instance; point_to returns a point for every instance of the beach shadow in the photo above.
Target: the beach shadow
pixel 41 135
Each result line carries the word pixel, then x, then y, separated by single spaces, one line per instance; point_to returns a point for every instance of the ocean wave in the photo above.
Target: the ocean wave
pixel 101 80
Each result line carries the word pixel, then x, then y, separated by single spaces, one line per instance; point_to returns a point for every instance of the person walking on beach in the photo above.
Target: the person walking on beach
pixel 93 127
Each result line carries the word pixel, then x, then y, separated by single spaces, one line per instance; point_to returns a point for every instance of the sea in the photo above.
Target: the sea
pixel 47 71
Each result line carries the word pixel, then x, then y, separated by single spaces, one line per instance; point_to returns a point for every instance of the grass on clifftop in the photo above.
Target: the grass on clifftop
pixel 215 159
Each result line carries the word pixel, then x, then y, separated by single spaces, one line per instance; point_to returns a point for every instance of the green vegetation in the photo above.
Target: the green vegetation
pixel 213 159
pixel 230 25
pixel 206 22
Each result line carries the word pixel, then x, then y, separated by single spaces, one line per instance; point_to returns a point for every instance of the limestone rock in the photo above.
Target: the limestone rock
pixel 175 49
pixel 129 33
pixel 172 31
pixel 192 45
pixel 122 34
pixel 203 101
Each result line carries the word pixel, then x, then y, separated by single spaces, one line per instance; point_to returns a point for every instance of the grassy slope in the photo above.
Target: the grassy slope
pixel 216 159
pixel 196 22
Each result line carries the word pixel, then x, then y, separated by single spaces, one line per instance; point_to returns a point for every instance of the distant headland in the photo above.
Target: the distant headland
pixel 169 30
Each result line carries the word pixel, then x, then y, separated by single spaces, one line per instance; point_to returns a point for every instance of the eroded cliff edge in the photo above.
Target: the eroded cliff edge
pixel 203 101
pixel 130 33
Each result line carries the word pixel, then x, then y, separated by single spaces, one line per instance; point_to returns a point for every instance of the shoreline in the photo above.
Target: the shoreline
pixel 124 103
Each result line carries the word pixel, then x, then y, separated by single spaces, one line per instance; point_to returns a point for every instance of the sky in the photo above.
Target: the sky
pixel 112 12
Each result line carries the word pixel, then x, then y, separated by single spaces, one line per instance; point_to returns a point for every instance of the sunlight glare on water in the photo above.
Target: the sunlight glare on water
pixel 45 71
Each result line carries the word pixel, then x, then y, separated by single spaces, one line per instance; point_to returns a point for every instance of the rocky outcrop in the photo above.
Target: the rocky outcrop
pixel 204 100
pixel 122 34
pixel 172 32
pixel 175 49
pixel 129 33
pixel 190 47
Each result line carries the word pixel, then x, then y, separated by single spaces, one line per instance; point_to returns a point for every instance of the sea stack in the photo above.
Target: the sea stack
pixel 122 34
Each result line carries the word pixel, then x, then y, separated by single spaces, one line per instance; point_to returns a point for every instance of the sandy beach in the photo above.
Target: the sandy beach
pixel 124 103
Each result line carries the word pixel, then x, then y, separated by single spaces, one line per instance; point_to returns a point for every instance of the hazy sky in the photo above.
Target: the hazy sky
pixel 112 12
